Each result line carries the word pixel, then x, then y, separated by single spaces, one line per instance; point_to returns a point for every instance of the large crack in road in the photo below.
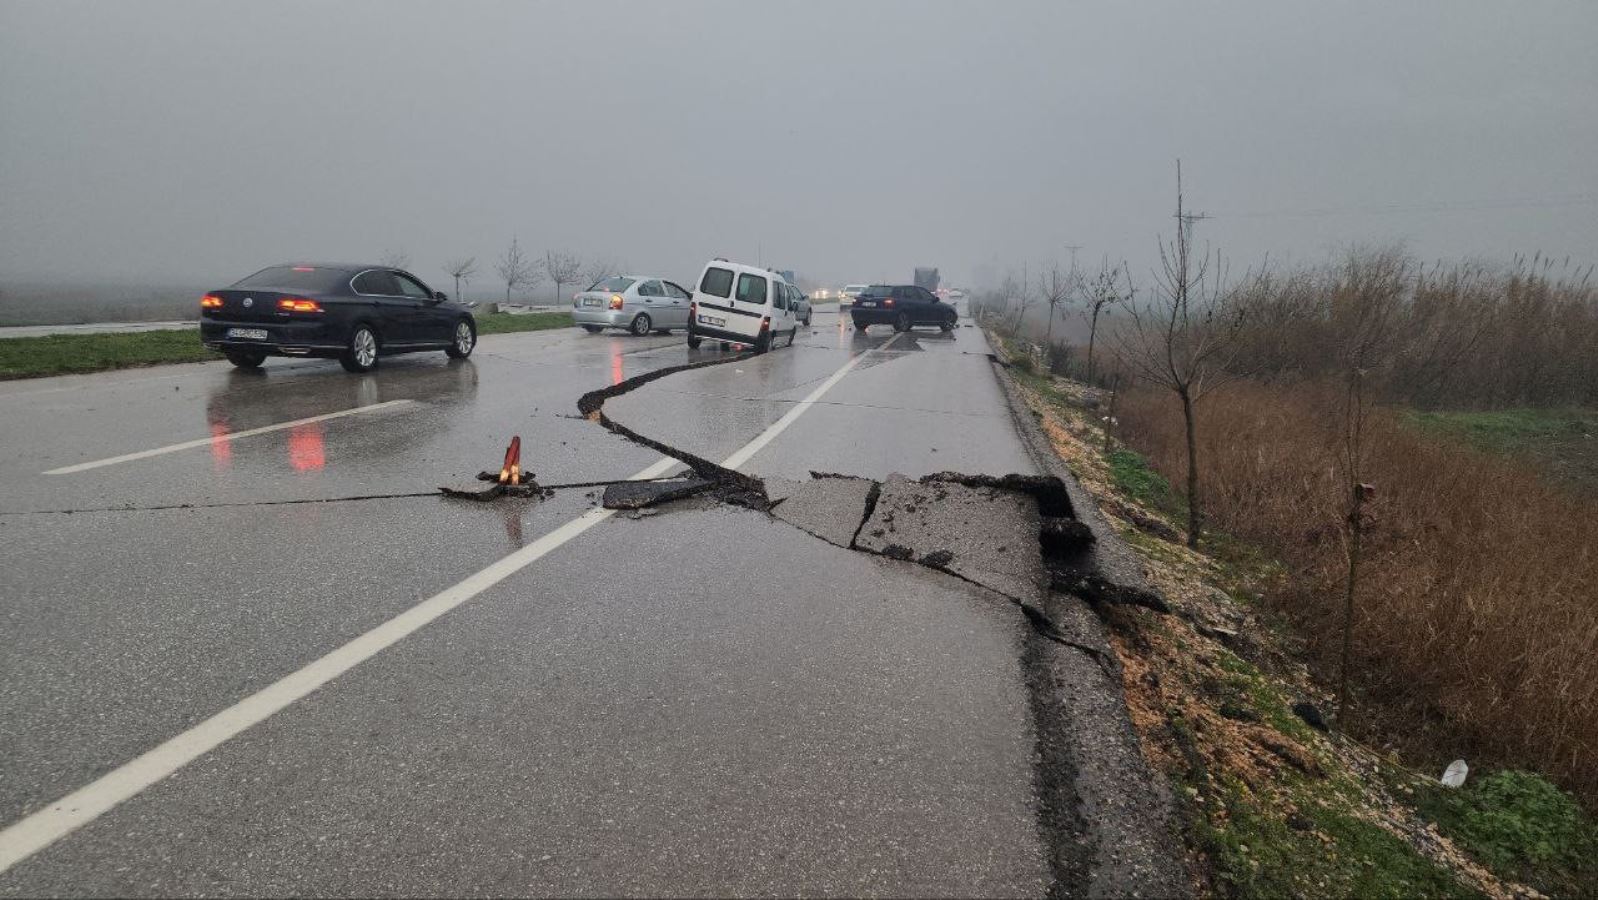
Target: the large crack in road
pixel 1105 821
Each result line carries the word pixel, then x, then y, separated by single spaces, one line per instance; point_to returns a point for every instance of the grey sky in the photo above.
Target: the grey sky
pixel 849 141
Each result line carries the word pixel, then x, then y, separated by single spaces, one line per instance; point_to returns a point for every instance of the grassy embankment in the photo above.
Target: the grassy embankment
pixel 64 354
pixel 1272 806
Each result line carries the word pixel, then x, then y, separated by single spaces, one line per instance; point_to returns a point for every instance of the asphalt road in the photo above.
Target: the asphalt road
pixel 420 696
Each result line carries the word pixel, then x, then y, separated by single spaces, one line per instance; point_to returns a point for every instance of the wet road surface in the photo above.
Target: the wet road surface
pixel 703 700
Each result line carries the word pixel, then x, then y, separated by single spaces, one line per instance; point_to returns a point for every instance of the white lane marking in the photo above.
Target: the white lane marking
pixel 206 442
pixel 778 427
pixel 39 830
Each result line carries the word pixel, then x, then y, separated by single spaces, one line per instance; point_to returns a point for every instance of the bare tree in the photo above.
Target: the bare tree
pixel 1022 294
pixel 516 270
pixel 601 267
pixel 562 268
pixel 1102 293
pixel 1184 339
pixel 395 259
pixel 1055 287
pixel 462 270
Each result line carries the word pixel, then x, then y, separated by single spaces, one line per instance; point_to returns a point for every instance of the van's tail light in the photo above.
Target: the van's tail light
pixel 693 310
pixel 615 301
pixel 765 323
pixel 298 304
pixel 210 301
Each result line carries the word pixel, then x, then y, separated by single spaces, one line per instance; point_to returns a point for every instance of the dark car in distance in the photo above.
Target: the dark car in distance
pixel 352 313
pixel 903 306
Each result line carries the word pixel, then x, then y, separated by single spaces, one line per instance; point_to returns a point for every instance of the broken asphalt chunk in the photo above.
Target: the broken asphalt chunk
pixel 639 494
pixel 1096 589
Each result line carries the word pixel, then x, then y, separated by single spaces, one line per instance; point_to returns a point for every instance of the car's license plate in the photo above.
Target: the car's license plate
pixel 590 301
pixel 712 320
pixel 865 303
pixel 248 334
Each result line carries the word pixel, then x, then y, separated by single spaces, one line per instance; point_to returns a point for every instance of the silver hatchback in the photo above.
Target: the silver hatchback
pixel 638 303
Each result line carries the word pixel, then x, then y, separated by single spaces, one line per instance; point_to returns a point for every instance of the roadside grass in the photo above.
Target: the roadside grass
pixel 65 354
pixel 1269 805
pixel 505 323
pixel 1523 826
pixel 68 354
pixel 1561 442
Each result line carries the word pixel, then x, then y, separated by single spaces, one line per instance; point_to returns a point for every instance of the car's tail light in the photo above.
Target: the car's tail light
pixel 210 301
pixel 298 304
pixel 888 302
pixel 615 301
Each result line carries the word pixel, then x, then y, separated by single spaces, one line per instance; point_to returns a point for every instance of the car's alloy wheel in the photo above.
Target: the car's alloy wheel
pixel 362 353
pixel 902 322
pixel 465 340
pixel 641 324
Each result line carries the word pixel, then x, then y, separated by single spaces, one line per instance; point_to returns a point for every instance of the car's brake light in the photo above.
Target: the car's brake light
pixel 888 302
pixel 298 304
pixel 615 301
pixel 210 301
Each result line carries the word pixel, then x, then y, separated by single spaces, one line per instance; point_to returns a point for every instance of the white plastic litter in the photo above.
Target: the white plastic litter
pixel 1454 775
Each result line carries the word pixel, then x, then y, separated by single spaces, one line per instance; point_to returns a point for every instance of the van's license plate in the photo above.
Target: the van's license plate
pixel 712 320
pixel 248 334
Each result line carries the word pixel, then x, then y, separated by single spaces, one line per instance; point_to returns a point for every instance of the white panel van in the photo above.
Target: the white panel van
pixel 743 304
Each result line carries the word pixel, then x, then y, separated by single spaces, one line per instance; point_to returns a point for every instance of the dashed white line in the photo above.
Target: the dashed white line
pixel 40 829
pixel 223 438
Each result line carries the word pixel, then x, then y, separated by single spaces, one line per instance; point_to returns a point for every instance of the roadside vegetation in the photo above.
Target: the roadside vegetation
pixel 67 354
pixel 1226 696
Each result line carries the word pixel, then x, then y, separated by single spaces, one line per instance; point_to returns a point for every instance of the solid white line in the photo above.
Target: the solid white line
pixel 39 830
pixel 206 442
pixel 781 425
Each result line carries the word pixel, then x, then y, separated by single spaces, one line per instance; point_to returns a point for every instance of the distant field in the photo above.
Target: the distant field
pixel 1563 442
pixel 65 354
pixel 56 304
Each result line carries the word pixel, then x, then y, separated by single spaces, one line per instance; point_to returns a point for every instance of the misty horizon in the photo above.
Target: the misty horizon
pixel 188 142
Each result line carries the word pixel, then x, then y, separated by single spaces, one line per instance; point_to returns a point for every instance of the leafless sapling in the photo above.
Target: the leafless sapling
pixel 1184 339
pixel 1102 293
pixel 562 269
pixel 515 269
pixel 461 269
pixel 395 259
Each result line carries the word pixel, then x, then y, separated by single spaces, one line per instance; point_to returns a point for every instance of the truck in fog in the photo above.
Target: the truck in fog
pixel 927 278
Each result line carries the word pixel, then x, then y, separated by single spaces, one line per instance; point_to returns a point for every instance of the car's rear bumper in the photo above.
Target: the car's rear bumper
pixel 602 316
pixel 712 333
pixel 291 338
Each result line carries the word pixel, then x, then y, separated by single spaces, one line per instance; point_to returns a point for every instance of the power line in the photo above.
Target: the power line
pixel 1440 207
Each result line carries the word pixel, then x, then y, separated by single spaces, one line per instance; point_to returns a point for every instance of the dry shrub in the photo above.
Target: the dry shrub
pixel 1477 622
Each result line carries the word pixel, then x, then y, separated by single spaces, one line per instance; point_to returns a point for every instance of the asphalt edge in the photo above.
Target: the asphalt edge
pixel 1109 820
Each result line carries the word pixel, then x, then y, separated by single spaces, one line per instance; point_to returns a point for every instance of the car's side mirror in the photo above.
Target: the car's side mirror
pixel 440 296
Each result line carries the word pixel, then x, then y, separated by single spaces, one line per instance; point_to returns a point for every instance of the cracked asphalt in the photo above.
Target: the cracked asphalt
pixel 705 700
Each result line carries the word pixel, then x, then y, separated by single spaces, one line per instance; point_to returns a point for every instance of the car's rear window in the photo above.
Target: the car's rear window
pixel 295 278
pixel 716 281
pixel 751 288
pixel 614 284
pixel 877 290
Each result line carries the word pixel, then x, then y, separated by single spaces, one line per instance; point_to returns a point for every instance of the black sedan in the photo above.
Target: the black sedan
pixel 353 313
pixel 903 306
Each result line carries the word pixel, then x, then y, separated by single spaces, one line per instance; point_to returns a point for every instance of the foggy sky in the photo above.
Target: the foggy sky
pixel 848 141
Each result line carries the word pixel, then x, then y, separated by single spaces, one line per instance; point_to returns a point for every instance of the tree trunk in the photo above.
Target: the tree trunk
pixel 1048 333
pixel 1355 531
pixel 1195 519
pixel 1093 331
pixel 507 293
